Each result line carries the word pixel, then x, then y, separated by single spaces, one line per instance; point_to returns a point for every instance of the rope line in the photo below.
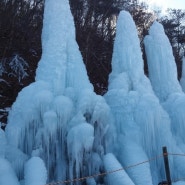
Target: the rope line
pixel 104 173
pixel 183 155
pixel 177 180
pixel 114 171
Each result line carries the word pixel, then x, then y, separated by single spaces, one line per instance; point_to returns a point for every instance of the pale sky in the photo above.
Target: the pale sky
pixel 164 4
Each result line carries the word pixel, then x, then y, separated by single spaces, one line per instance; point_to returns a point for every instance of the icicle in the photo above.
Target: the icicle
pixel 3 143
pixel 35 172
pixel 7 175
pixel 81 138
pixel 100 118
pixel 118 178
pixel 17 159
pixel 129 148
pixel 64 109
pixel 50 123
pixel 91 181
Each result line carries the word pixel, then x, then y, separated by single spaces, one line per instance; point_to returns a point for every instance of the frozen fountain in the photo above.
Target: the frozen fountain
pixel 163 77
pixel 161 63
pixel 59 129
pixel 58 120
pixel 143 126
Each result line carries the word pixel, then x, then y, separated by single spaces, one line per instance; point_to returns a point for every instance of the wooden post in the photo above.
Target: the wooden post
pixel 166 164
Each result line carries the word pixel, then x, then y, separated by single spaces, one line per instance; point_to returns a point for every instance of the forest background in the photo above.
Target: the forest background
pixel 95 22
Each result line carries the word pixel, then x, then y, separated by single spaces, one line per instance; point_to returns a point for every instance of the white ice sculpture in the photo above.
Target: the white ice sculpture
pixel 140 119
pixel 163 76
pixel 161 63
pixel 59 118
pixel 61 62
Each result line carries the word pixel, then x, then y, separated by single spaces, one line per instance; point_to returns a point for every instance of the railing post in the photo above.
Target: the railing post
pixel 166 164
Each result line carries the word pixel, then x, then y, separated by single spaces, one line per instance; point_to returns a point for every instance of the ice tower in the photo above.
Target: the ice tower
pixel 58 118
pixel 161 63
pixel 61 63
pixel 140 119
pixel 163 76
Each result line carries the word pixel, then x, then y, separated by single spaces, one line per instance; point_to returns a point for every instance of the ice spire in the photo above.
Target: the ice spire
pixel 127 55
pixel 59 118
pixel 140 119
pixel 161 63
pixel 127 88
pixel 61 58
pixel 163 76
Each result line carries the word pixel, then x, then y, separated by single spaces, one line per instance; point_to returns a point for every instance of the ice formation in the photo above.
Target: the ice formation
pixel 182 80
pixel 35 172
pixel 161 63
pixel 7 174
pixel 61 128
pixel 140 120
pixel 120 177
pixel 58 119
pixel 61 62
pixel 163 76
